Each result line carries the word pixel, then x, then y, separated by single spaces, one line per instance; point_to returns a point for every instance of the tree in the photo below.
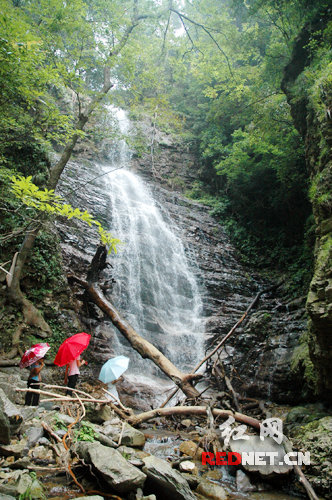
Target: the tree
pixel 65 42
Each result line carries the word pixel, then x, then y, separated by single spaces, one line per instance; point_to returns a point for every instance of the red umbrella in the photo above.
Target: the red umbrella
pixel 71 348
pixel 33 354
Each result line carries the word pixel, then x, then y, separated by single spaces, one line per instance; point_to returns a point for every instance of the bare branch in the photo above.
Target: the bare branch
pixel 207 32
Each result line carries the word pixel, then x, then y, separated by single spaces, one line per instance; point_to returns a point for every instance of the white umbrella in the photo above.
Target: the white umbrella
pixel 113 369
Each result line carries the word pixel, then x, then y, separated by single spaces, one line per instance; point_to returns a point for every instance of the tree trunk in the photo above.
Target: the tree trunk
pixel 142 346
pixel 193 410
pixel 31 315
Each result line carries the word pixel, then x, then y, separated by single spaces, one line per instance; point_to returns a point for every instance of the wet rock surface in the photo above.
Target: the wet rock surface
pixel 161 474
pixel 262 350
pixel 122 476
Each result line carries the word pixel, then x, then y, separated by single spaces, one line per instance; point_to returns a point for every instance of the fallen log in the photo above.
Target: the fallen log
pixel 193 410
pixel 142 346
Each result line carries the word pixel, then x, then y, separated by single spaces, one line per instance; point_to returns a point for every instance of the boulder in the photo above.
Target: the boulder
pixel 192 479
pixel 11 378
pixel 22 485
pixel 211 490
pixel 21 463
pixel 106 440
pixel 100 415
pixel 189 448
pixel 33 434
pixel 161 474
pixel 113 467
pixel 15 450
pixel 130 436
pixel 255 445
pixel 245 484
pixel 4 428
pixel 7 491
pixel 12 413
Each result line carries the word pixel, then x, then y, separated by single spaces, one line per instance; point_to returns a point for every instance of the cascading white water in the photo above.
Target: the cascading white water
pixel 155 288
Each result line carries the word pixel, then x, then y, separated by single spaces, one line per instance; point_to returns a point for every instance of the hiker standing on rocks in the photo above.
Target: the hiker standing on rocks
pixel 32 398
pixel 72 373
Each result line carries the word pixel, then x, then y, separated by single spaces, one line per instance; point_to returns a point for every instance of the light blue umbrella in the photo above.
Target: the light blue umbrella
pixel 113 369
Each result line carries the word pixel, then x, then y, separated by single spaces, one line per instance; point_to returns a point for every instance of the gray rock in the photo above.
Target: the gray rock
pixel 105 440
pixel 7 490
pixel 12 412
pixel 117 472
pixel 245 485
pixel 4 428
pixel 21 463
pixel 130 436
pixel 255 444
pixel 66 419
pixel 163 476
pixel 43 441
pixel 11 378
pixel 47 405
pixel 15 450
pixel 192 480
pixel 60 433
pixel 211 490
pixel 29 412
pixel 33 435
pixel 99 416
pixel 112 431
pixel 41 453
pixel 3 496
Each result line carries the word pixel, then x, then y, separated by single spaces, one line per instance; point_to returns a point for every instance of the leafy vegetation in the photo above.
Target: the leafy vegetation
pixel 47 201
pixel 206 72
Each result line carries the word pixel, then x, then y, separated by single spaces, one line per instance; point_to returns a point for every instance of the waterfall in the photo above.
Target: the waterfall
pixel 156 289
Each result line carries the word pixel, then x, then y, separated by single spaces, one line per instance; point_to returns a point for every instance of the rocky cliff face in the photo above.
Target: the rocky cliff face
pixel 265 356
pixel 317 134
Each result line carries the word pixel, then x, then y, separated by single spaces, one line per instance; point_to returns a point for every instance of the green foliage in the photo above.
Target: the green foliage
pixel 301 362
pixel 45 200
pixel 86 432
pixel 59 335
pixel 58 423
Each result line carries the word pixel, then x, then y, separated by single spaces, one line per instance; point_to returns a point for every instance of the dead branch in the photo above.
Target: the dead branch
pixel 254 302
pixel 50 431
pixel 47 386
pixel 262 292
pixel 121 433
pixel 193 410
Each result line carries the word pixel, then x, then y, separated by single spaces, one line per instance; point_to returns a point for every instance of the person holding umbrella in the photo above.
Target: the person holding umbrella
pixel 72 373
pixel 111 372
pixel 69 355
pixel 34 357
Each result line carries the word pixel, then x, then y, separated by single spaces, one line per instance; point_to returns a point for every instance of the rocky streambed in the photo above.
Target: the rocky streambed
pixel 160 460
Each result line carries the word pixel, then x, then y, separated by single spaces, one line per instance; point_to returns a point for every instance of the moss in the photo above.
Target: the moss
pixel 301 363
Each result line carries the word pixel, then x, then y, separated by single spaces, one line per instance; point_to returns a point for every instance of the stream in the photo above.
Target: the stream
pixel 165 444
